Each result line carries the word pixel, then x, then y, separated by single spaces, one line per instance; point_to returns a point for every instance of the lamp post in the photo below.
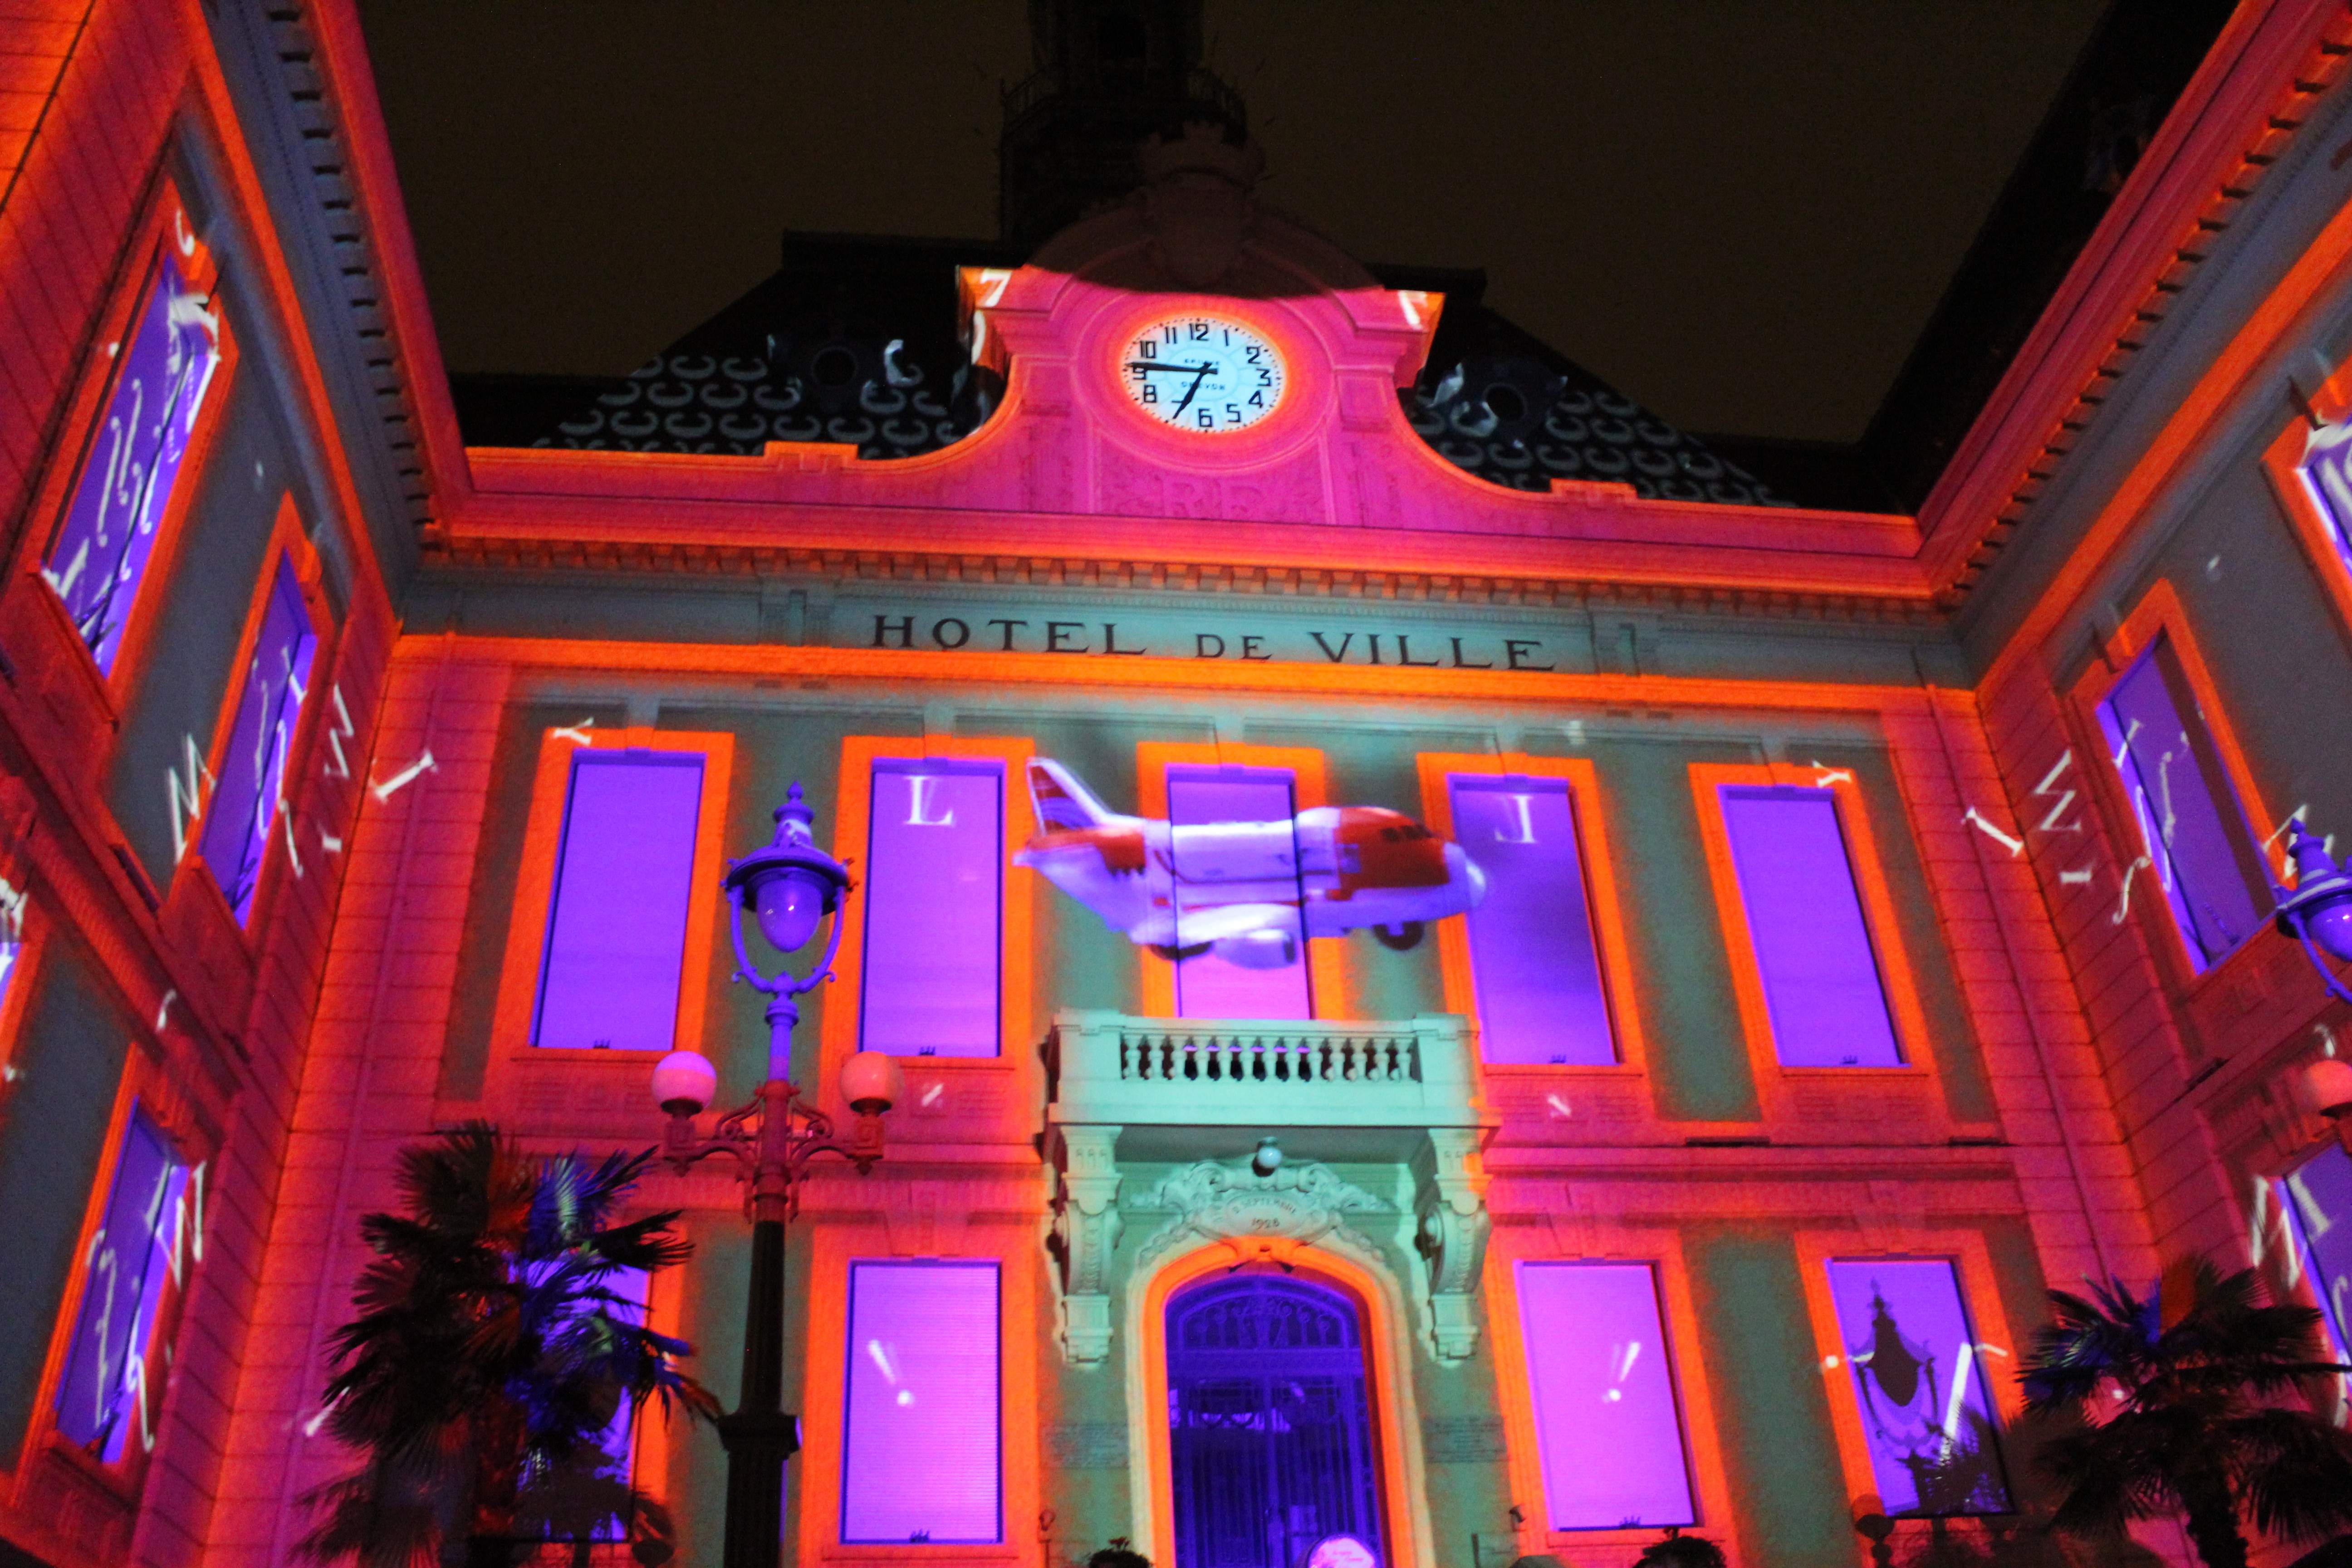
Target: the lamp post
pixel 791 886
pixel 2318 914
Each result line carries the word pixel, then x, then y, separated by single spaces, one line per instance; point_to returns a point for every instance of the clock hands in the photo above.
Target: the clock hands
pixel 1199 372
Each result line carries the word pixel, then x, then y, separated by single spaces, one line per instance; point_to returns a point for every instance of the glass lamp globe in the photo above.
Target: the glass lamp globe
pixel 2330 924
pixel 683 1082
pixel 872 1083
pixel 791 884
pixel 789 903
pixel 2320 908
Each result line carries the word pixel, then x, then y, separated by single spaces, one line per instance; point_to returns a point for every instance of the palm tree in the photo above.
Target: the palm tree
pixel 2199 1418
pixel 489 1356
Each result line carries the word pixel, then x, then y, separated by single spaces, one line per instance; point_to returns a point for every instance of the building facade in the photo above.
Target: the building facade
pixel 1860 921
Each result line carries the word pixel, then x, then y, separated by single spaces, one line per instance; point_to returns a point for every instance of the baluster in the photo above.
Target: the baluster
pixel 1127 1067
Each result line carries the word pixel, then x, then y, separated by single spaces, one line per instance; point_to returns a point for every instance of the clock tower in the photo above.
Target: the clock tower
pixel 1111 74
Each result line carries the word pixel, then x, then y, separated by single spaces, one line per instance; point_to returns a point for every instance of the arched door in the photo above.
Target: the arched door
pixel 1270 1424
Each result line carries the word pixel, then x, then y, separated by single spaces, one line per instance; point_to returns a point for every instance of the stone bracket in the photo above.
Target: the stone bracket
pixel 1086 1233
pixel 1451 1201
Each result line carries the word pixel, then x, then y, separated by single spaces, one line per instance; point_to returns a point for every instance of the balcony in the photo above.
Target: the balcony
pixel 1202 1088
pixel 1198 1094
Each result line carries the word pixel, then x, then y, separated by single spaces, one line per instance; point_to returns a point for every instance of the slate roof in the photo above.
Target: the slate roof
pixel 854 339
pixel 1501 404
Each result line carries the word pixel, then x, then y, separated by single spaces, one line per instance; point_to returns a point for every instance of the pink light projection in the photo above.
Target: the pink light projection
pixel 99 554
pixel 922 1456
pixel 106 1395
pixel 616 926
pixel 2319 1212
pixel 2192 825
pixel 247 802
pixel 1918 1375
pixel 1821 979
pixel 934 904
pixel 1532 958
pixel 1207 985
pixel 1607 1427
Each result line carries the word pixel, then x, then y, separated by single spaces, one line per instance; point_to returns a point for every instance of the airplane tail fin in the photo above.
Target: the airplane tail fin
pixel 1063 803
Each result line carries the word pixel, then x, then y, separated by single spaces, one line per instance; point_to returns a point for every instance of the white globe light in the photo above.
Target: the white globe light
pixel 684 1081
pixel 2328 1081
pixel 872 1083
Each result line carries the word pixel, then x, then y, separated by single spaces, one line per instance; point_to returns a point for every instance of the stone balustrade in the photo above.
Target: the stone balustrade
pixel 1110 1068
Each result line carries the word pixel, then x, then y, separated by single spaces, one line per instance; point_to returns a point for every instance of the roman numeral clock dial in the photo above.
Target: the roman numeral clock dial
pixel 1201 373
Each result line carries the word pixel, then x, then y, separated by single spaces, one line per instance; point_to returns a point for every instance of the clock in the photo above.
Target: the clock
pixel 1204 374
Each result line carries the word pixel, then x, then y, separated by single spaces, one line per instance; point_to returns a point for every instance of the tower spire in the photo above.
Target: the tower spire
pixel 1110 74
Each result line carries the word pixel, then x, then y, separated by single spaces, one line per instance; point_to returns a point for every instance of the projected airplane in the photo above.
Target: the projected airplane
pixel 1240 889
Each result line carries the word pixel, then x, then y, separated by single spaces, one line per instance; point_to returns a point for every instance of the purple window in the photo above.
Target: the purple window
pixel 2190 823
pixel 100 553
pixel 1532 960
pixel 2319 1212
pixel 922 1451
pixel 934 909
pixel 1607 1427
pixel 1237 872
pixel 2327 471
pixel 616 919
pixel 248 799
pixel 1804 917
pixel 11 935
pixel 1919 1376
pixel 105 1394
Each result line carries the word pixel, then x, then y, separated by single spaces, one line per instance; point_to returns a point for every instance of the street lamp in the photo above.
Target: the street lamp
pixel 2318 912
pixel 791 886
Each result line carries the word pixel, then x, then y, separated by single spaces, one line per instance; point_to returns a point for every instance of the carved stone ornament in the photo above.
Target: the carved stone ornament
pixel 1304 1204
pixel 1085 1234
pixel 1452 1204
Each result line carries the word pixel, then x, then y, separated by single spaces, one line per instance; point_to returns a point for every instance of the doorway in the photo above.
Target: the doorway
pixel 1270 1422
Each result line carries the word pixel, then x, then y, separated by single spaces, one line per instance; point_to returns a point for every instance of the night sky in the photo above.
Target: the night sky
pixel 1740 212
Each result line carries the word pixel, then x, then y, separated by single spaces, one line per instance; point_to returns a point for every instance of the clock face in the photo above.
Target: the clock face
pixel 1202 373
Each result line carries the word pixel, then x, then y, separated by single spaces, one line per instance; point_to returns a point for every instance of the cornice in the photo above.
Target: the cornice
pixel 2258 88
pixel 506 555
pixel 312 57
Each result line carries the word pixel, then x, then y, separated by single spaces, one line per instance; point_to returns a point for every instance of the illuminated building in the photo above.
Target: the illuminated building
pixel 1874 931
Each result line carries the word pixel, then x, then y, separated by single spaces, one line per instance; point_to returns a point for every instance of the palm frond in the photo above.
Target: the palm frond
pixel 2295 1473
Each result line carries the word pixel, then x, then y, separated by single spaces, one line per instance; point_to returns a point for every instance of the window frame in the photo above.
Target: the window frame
pixel 2159 615
pixel 2284 1232
pixel 1606 1241
pixel 142 1086
pixel 971 1237
pixel 32 931
pixel 290 548
pixel 165 227
pixel 1602 898
pixel 2309 517
pixel 1980 1298
pixel 1897 980
pixel 936 1084
pixel 527 930
pixel 1327 957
